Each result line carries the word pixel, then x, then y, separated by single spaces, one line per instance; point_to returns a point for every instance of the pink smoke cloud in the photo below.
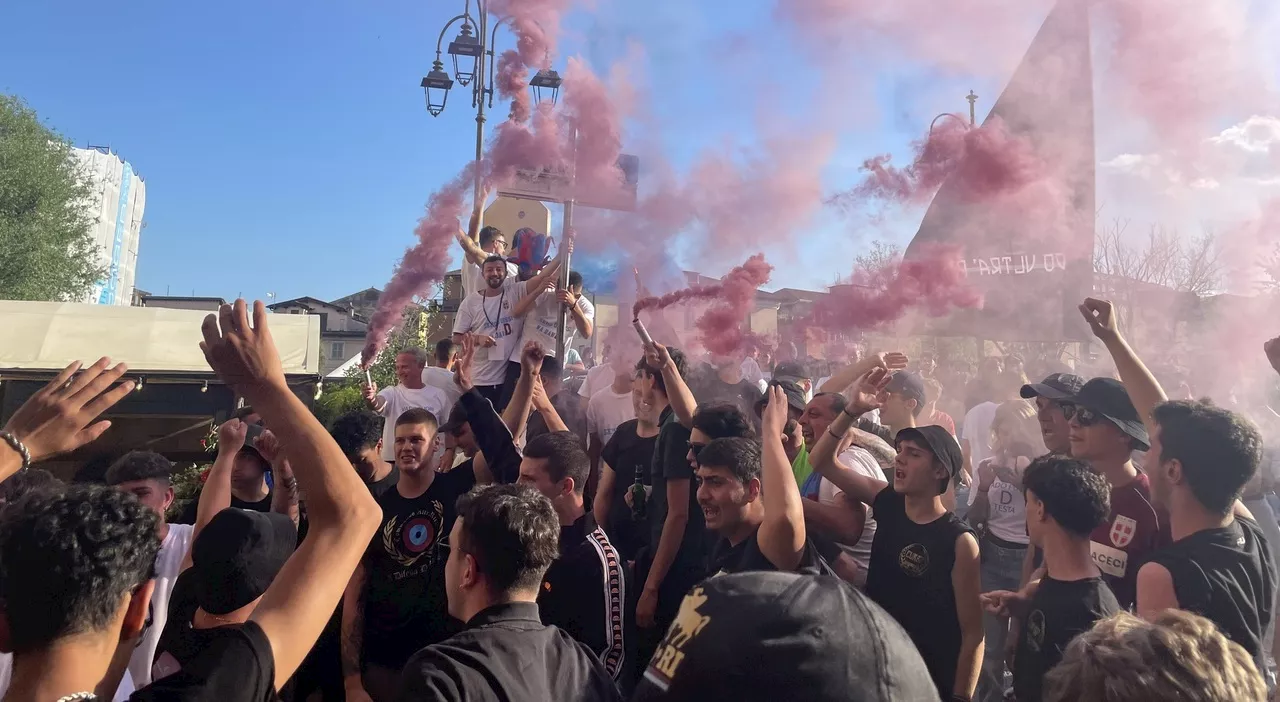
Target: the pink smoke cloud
pixel 987 161
pixel 876 297
pixel 423 264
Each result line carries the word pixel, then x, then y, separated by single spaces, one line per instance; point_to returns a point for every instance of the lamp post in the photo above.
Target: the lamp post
pixel 972 97
pixel 471 55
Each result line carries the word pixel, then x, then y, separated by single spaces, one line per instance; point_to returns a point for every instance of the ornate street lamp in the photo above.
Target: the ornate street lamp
pixel 436 87
pixel 546 80
pixel 467 47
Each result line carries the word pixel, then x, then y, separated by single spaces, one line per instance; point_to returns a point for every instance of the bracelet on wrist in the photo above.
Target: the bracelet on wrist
pixel 18 447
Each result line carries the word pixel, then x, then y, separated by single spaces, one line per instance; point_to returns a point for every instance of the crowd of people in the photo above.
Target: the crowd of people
pixel 737 529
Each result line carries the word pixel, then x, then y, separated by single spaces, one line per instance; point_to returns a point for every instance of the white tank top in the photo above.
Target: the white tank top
pixel 1007 517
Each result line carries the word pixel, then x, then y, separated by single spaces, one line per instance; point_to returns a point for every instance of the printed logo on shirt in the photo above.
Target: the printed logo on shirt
pixel 1123 530
pixel 165 666
pixel 671 652
pixel 408 540
pixel 914 560
pixel 1109 560
pixel 1035 630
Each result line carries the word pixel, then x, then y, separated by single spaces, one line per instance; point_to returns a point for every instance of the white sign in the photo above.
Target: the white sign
pixel 554 185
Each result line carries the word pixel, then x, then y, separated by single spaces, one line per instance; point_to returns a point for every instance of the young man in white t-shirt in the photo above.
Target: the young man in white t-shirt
pixel 606 411
pixel 490 316
pixel 492 243
pixel 409 394
pixel 145 475
pixel 439 374
pixel 541 313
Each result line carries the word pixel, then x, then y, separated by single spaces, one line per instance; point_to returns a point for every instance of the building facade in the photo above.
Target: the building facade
pixel 115 207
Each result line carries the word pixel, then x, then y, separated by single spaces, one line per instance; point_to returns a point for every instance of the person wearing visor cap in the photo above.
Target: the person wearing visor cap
pixel 924 559
pixel 1104 430
pixel 1049 395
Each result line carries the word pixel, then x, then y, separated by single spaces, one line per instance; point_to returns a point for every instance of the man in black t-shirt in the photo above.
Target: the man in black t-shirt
pixel 1199 460
pixel 721 382
pixel 359 435
pixel 1066 501
pixel 504 539
pixel 249 489
pixel 1219 565
pixel 396 603
pixel 233 561
pixel 924 566
pixel 749 497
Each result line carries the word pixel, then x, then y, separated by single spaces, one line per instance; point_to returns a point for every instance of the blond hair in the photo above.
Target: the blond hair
pixel 1178 656
pixel 1024 429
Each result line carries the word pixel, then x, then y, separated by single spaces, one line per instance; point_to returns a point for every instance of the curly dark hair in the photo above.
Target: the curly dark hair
pixel 139 465
pixel 566 457
pixel 1219 450
pixel 95 543
pixel 740 455
pixel 722 420
pixel 513 534
pixel 1077 498
pixel 677 358
pixel 18 485
pixel 356 431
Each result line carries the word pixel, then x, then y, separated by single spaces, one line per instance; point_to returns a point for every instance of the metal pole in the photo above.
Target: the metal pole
pixel 561 335
pixel 479 91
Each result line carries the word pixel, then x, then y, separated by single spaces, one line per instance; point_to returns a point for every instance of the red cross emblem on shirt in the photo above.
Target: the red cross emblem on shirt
pixel 1123 529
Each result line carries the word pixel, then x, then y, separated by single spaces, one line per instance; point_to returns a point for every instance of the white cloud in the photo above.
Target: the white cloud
pixel 1255 135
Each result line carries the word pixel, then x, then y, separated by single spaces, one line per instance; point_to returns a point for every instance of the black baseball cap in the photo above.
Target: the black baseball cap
pixel 457 417
pixel 1107 397
pixel 771 636
pixel 940 442
pixel 1058 386
pixel 794 393
pixel 237 555
pixel 909 385
pixel 790 371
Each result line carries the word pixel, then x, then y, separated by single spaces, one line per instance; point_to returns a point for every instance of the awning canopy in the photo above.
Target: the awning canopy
pixel 38 336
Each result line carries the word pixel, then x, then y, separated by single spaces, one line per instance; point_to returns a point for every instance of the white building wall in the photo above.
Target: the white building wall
pixel 115 208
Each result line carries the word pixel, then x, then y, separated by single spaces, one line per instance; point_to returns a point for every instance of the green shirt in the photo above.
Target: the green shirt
pixel 800 467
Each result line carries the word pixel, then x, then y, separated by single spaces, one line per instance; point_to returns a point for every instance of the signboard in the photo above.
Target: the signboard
pixel 554 185
pixel 1028 253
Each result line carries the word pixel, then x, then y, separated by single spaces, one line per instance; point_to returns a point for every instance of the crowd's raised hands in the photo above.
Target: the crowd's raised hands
pixel 59 418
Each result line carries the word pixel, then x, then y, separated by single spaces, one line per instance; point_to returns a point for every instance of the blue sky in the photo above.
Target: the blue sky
pixel 286 147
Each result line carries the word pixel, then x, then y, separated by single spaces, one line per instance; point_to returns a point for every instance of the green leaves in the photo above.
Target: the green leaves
pixel 47 250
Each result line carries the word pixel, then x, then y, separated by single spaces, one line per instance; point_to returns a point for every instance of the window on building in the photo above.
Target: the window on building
pixel 336 351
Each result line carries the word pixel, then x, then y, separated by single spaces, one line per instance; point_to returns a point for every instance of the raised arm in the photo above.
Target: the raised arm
pixel 527 302
pixel 683 403
pixel 215 496
pixel 843 378
pixel 548 273
pixel 782 533
pixel 570 300
pixel 493 438
pixel 516 414
pixel 343 515
pixel 543 405
pixel 470 246
pixel 284 498
pixel 1144 391
pixel 870 395
pixel 60 417
pixel 351 641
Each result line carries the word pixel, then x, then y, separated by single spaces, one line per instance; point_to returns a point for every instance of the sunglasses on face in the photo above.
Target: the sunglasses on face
pixel 696 449
pixel 1082 415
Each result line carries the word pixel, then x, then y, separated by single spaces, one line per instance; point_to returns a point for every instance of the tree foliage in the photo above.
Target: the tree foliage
pixel 48 251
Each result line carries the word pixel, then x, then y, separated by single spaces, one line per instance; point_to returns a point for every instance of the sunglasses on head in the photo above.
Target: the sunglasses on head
pixel 1082 415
